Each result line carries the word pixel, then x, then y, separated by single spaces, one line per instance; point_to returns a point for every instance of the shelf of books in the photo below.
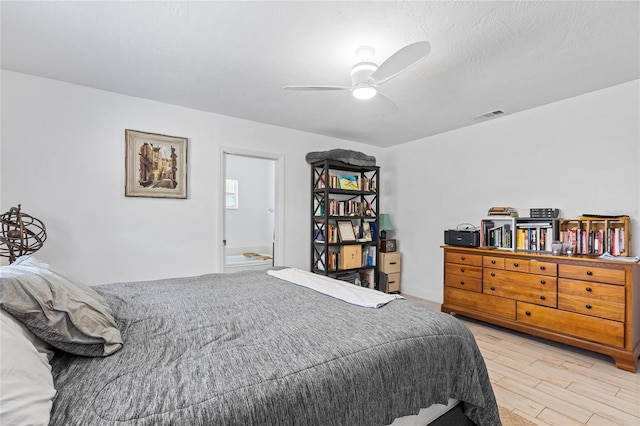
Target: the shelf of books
pixel 519 233
pixel 596 235
pixel 344 221
pixel 497 232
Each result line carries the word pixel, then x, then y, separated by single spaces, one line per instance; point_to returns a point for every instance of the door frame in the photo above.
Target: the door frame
pixel 278 249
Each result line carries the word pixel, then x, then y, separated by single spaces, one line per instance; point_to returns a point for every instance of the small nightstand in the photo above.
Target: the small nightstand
pixel 389 267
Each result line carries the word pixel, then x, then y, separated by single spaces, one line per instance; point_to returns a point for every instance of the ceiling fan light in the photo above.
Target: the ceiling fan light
pixel 364 92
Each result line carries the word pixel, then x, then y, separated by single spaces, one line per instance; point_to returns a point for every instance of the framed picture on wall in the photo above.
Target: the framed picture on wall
pixel 155 165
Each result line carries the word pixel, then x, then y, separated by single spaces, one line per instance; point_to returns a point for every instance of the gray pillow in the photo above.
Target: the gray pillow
pixel 68 315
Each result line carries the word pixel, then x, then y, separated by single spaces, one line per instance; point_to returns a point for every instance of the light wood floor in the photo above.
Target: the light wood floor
pixel 554 384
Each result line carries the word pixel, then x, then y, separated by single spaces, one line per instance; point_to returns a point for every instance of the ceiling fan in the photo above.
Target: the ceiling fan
pixel 367 77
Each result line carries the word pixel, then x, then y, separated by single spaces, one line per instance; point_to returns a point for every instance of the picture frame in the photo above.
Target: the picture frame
pixel 366 231
pixel 345 228
pixel 155 165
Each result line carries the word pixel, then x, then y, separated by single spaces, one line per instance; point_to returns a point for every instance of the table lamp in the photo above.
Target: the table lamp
pixel 385 225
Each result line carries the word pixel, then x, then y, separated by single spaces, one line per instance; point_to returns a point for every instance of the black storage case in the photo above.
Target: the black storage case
pixel 464 238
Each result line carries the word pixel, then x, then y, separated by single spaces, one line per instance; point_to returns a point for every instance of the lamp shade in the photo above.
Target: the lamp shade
pixel 385 222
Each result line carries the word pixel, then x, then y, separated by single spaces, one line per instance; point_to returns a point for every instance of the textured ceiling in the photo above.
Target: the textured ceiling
pixel 233 58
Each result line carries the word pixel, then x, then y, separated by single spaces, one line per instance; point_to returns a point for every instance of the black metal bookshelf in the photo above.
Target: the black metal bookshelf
pixel 345 194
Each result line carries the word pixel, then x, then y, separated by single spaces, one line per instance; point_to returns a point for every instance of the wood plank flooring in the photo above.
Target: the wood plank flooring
pixel 550 383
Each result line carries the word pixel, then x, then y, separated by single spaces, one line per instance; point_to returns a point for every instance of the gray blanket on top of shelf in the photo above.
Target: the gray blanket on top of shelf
pixel 355 158
pixel 250 349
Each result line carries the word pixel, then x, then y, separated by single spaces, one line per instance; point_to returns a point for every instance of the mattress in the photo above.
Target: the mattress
pixel 250 349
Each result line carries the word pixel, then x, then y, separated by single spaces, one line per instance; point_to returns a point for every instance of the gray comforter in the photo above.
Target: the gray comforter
pixel 250 349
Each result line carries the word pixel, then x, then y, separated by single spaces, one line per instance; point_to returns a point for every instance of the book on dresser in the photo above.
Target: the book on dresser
pixel 596 235
pixel 519 233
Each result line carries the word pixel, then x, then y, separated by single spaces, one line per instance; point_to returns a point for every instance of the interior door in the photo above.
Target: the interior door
pixel 251 219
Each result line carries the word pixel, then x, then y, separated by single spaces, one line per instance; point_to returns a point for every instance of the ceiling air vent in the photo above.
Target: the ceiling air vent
pixel 488 115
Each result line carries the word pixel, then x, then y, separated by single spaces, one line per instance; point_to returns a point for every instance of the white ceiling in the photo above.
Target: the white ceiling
pixel 233 58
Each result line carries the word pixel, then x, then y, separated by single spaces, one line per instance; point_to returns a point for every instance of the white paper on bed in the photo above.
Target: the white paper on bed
pixel 350 293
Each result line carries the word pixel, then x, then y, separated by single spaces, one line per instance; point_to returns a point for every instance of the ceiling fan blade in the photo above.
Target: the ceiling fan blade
pixel 400 61
pixel 385 103
pixel 317 88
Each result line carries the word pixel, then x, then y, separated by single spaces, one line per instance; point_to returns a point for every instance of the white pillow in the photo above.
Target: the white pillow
pixel 26 383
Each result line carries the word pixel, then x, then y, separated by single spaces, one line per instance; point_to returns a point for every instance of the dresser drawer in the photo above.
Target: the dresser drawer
pixel 393 282
pixel 463 258
pixel 543 268
pixel 463 270
pixel 520 265
pixel 592 273
pixel 463 282
pixel 594 291
pixel 485 303
pixel 494 262
pixel 541 294
pixel 523 280
pixel 390 262
pixel 596 308
pixel 573 324
pixel 600 300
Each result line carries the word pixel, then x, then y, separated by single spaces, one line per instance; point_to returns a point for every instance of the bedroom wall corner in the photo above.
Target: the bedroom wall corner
pixel 580 155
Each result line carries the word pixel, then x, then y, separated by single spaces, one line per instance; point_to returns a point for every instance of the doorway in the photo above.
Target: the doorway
pixel 251 210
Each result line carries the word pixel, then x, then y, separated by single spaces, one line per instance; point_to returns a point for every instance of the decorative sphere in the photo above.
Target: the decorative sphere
pixel 20 234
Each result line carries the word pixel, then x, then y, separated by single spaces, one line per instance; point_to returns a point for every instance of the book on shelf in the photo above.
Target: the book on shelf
pixel 348 182
pixel 318 232
pixel 366 231
pixel 499 236
pixel 369 256
pixel 535 237
pixel 595 242
pixel 374 231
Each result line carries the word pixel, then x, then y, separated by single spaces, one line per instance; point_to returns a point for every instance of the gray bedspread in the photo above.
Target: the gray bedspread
pixel 250 349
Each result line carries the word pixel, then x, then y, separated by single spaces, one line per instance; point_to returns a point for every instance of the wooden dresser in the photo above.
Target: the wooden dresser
pixel 581 301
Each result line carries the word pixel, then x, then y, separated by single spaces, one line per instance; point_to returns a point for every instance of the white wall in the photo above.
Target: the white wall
pixel 252 223
pixel 63 160
pixel 580 155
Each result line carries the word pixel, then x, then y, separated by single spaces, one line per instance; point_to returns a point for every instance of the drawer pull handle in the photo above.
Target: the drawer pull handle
pixel 493 262
pixel 461 282
pixel 587 306
pixel 589 273
pixel 461 269
pixel 543 282
pixel 527 313
pixel 516 265
pixel 542 268
pixel 542 298
pixel 462 258
pixel 493 274
pixel 391 282
pixel 393 263
pixel 493 288
pixel 588 288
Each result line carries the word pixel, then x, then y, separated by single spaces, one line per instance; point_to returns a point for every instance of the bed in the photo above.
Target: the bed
pixel 249 348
